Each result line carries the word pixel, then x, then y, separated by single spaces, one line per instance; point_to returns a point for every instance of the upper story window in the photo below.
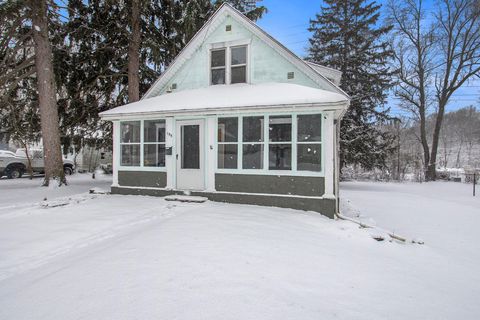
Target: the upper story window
pixel 238 64
pixel 218 65
pixel 228 65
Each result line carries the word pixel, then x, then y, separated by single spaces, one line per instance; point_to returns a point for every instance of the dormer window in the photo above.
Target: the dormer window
pixel 228 65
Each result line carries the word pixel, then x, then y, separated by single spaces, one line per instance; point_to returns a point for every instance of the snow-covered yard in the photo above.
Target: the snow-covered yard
pixel 133 257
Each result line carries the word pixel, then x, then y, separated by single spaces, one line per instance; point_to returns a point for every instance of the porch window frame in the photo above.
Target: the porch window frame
pixel 265 170
pixel 140 167
pixel 155 143
pixel 224 143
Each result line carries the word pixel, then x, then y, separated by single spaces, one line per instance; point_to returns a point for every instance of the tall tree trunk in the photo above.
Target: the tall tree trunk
pixel 134 54
pixel 46 94
pixel 432 172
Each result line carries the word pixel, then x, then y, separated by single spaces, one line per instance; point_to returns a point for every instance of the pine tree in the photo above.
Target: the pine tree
pixel 346 37
pixel 247 7
pixel 47 99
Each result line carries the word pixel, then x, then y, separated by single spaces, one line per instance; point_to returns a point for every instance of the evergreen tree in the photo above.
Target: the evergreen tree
pixel 194 13
pixel 252 11
pixel 346 37
pixel 47 94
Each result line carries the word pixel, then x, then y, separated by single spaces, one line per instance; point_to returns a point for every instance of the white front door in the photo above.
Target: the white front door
pixel 190 155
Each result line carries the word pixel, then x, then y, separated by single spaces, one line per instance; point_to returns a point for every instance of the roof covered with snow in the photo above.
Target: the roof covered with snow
pixel 225 97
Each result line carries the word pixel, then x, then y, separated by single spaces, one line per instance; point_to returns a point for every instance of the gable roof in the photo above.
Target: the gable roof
pixel 214 21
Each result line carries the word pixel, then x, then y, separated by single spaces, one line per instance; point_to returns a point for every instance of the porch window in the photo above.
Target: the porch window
pixel 227 143
pixel 130 143
pixel 238 64
pixel 252 142
pixel 280 142
pixel 218 66
pixel 271 143
pixel 154 143
pixel 309 138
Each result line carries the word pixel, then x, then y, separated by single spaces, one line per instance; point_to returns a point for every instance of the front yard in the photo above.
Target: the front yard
pixel 133 257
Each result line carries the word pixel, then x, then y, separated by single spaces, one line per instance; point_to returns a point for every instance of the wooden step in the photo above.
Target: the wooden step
pixel 184 198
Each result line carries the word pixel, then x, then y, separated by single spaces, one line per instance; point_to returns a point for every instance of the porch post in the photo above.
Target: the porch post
pixel 116 152
pixel 211 155
pixel 169 159
pixel 329 157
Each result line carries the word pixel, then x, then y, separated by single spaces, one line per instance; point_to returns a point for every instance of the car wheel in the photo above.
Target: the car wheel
pixel 14 173
pixel 68 171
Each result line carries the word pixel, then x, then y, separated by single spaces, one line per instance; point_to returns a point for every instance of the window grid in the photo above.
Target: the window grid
pixel 124 144
pixel 238 65
pixel 266 141
pixel 141 144
pixel 314 142
pixel 225 143
pixel 284 142
pixel 224 67
pixel 253 143
pixel 227 67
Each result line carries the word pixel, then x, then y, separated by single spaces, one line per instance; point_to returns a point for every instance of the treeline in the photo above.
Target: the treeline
pixel 93 55
pixel 421 53
pixel 459 145
pixel 98 54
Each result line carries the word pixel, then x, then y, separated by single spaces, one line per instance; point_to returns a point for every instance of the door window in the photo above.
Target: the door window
pixel 190 146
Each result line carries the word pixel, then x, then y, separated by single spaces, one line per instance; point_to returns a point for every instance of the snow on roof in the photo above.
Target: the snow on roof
pixel 234 96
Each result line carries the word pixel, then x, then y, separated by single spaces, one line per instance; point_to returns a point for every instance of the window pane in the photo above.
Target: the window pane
pixel 252 156
pixel 154 131
pixel 239 55
pixel 309 157
pixel 154 155
pixel 253 129
pixel 239 74
pixel 280 128
pixel 190 147
pixel 309 127
pixel 227 129
pixel 218 76
pixel 227 156
pixel 130 131
pixel 280 157
pixel 218 58
pixel 130 155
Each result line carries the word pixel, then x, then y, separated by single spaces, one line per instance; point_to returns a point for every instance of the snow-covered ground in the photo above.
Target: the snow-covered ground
pixel 133 257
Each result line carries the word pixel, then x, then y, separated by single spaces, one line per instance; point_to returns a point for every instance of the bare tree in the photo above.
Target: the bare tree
pixel 46 93
pixel 134 53
pixel 434 60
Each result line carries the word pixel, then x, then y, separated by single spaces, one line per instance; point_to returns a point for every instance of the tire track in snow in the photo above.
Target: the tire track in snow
pixel 29 263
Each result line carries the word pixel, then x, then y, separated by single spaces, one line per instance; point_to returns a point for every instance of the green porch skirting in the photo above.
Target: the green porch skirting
pixel 324 206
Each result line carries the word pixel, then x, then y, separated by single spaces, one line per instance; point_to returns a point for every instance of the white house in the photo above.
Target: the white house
pixel 237 117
